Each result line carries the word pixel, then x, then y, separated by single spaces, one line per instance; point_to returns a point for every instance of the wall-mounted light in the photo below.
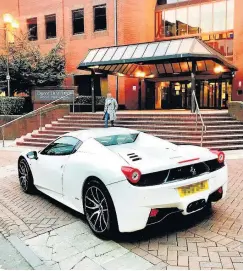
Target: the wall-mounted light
pixel 94 67
pixel 7 18
pixel 140 74
pixel 150 76
pixel 218 69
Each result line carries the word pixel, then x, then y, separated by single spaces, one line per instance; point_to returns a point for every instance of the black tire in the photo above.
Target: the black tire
pixel 25 177
pixel 99 210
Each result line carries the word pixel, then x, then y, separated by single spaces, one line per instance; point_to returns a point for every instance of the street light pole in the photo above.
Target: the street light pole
pixel 7 62
pixel 9 21
pixel 116 42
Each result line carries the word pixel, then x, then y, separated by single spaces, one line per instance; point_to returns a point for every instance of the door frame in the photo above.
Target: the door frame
pixel 147 99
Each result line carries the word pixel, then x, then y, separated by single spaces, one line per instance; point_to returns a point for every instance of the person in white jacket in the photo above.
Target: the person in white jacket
pixel 110 109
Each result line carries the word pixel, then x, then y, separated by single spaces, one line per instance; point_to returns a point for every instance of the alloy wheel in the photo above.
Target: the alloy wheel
pixel 23 175
pixel 96 209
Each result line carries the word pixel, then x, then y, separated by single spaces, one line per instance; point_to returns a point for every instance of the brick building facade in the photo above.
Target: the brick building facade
pixel 137 21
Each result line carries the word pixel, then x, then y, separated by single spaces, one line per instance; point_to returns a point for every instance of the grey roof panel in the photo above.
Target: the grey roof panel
pixel 167 51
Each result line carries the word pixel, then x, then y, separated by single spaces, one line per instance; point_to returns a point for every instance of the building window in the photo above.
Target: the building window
pixel 207 18
pixel 170 23
pixel 193 20
pixel 32 29
pixel 230 14
pixel 219 16
pixel 51 31
pixel 181 22
pixel 100 18
pixel 78 21
pixel 223 46
pixel 212 22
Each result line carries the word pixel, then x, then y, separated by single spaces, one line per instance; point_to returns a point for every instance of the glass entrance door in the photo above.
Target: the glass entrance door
pixel 215 94
pixel 176 96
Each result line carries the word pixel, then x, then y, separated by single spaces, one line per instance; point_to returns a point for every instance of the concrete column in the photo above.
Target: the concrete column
pixel 193 90
pixel 116 43
pixel 237 49
pixel 220 95
pixel 93 91
pixel 140 94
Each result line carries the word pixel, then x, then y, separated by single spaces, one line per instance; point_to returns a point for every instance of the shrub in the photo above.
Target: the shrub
pixel 11 105
pixel 87 100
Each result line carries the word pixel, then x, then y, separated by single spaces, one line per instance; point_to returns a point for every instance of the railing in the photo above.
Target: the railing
pixel 197 111
pixel 35 111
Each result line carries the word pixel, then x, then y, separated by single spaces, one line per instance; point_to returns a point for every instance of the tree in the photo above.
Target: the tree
pixel 30 68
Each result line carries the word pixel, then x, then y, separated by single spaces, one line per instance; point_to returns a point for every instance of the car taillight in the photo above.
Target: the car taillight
pixel 132 174
pixel 220 154
pixel 153 212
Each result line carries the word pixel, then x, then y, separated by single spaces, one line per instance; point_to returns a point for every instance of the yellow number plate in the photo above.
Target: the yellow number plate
pixel 192 189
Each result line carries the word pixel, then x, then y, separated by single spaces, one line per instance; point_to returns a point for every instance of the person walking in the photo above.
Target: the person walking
pixel 110 109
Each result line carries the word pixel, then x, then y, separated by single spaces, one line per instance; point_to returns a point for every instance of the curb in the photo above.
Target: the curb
pixel 34 261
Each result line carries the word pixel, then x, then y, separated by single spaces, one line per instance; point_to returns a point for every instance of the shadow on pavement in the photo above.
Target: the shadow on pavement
pixel 172 224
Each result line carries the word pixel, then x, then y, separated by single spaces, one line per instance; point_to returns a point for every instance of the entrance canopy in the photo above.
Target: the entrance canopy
pixel 157 59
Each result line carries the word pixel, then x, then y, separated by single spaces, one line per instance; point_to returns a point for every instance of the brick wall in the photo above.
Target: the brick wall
pixel 238 52
pixel 236 110
pixel 135 24
pixel 4 119
pixel 31 122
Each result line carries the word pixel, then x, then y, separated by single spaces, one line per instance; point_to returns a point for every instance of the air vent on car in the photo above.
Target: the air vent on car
pixel 134 157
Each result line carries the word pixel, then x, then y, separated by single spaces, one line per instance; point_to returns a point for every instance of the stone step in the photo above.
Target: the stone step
pixel 213 133
pixel 223 132
pixel 141 114
pixel 217 144
pixel 186 120
pixel 39 140
pixel 59 126
pixel 208 144
pixel 124 117
pixel 227 147
pixel 31 144
pixel 219 147
pixel 170 137
pixel 187 123
pixel 54 131
pixel 165 122
pixel 50 136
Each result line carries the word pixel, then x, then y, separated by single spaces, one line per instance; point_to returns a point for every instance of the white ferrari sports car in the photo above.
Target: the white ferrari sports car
pixel 124 180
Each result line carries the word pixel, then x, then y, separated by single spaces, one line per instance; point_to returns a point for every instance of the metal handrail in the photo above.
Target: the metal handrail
pixel 197 111
pixel 35 111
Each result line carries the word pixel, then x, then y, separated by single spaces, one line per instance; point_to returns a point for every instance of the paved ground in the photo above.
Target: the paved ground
pixel 61 239
pixel 10 258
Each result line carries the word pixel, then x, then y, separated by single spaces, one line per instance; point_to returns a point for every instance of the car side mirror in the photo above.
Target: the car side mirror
pixel 32 155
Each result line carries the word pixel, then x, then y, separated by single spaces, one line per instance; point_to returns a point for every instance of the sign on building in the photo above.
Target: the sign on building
pixel 45 95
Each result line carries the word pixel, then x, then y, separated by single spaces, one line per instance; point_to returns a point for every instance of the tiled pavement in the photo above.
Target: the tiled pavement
pixel 61 239
pixel 75 247
pixel 10 258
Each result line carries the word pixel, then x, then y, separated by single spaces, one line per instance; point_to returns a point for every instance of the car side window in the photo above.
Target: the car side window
pixel 63 146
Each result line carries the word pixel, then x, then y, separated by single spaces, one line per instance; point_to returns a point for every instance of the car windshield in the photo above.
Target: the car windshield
pixel 117 139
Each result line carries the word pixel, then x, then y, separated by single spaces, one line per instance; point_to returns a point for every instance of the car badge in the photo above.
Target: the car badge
pixel 193 171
